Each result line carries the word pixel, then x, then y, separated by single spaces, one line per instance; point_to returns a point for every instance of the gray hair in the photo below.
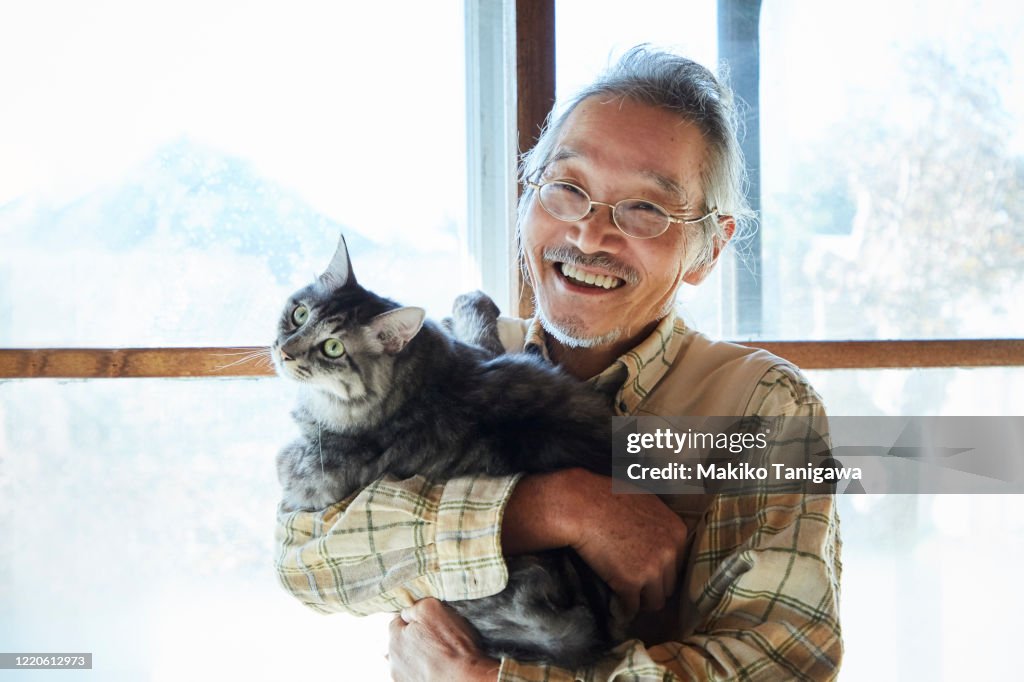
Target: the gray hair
pixel 686 88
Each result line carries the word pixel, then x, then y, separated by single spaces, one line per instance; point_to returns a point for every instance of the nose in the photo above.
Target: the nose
pixel 594 231
pixel 284 356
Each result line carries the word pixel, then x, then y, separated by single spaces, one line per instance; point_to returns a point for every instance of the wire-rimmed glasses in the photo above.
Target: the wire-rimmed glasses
pixel 637 218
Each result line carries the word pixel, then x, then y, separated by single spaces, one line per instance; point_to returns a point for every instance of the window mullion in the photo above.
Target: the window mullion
pixel 491 149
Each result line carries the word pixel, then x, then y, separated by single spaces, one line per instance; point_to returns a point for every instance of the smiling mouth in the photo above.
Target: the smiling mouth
pixel 588 279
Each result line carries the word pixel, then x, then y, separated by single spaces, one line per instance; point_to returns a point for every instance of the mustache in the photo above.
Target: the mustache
pixel 573 256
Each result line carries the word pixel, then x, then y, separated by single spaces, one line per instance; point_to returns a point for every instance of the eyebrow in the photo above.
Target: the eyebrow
pixel 663 181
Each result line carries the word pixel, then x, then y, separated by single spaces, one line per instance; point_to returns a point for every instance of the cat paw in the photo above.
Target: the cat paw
pixel 475 322
pixel 476 305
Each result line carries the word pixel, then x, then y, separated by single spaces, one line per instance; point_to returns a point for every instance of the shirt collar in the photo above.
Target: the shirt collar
pixel 634 374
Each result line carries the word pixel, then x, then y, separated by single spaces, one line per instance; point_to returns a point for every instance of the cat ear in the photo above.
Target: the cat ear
pixel 396 328
pixel 339 273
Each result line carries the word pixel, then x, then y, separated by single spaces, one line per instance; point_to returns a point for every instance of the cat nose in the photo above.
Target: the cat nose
pixel 284 356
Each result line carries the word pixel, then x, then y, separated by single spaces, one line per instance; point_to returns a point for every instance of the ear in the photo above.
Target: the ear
pixel 395 328
pixel 339 273
pixel 697 276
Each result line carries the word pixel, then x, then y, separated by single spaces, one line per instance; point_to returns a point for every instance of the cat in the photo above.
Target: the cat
pixel 386 391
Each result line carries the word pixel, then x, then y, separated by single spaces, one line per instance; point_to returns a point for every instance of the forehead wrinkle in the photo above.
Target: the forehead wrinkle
pixel 562 154
pixel 669 185
pixel 663 181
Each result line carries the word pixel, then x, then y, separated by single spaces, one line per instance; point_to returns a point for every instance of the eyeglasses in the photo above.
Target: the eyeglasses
pixel 634 217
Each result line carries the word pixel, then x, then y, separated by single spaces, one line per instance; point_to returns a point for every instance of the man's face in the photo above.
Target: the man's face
pixel 614 149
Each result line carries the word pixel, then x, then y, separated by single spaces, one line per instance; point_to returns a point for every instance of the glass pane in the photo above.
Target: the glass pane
pixel 892 157
pixel 138 521
pixel 138 518
pixel 590 36
pixel 925 594
pixel 921 392
pixel 170 171
pixel 920 572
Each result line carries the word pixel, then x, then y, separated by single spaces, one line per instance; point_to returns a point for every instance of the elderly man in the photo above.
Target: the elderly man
pixel 634 190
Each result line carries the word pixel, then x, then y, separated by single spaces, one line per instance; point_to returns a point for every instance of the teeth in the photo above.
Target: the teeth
pixel 604 281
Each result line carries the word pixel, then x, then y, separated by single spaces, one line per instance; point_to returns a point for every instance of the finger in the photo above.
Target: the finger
pixel 421 611
pixel 652 597
pixel 396 625
pixel 628 604
pixel 681 559
pixel 682 545
pixel 412 614
pixel 428 605
pixel 668 579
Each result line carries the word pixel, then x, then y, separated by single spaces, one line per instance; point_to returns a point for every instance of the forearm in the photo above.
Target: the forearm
pixel 539 512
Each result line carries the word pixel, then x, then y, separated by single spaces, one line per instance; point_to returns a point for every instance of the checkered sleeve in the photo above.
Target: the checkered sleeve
pixel 764 588
pixel 396 542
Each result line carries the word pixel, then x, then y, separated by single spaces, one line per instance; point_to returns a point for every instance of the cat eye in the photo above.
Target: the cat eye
pixel 333 348
pixel 300 315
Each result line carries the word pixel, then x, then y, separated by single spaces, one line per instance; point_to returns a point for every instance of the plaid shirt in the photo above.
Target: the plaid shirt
pixel 762 592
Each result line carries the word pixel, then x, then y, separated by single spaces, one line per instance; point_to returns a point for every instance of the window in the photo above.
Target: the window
pixel 891 170
pixel 169 173
pixel 172 172
pixel 890 188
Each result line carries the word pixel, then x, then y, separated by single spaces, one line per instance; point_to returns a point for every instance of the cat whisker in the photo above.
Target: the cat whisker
pixel 261 355
pixel 246 351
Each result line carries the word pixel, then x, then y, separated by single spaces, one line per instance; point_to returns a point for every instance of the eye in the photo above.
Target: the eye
pixel 565 187
pixel 646 207
pixel 333 348
pixel 300 315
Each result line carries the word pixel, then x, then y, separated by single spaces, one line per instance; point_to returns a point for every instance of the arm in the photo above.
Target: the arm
pixel 800 640
pixel 766 612
pixel 396 542
pixel 762 593
pixel 634 542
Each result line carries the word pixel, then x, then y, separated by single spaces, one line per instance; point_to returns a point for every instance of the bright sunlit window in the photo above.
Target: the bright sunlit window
pixel 171 171
pixel 892 149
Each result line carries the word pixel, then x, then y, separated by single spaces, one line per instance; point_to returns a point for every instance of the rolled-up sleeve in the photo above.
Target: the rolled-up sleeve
pixel 396 542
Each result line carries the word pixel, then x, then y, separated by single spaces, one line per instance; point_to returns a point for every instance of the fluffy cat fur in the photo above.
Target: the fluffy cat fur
pixel 402 397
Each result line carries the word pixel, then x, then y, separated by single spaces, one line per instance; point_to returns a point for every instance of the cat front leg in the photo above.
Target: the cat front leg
pixel 474 321
pixel 306 482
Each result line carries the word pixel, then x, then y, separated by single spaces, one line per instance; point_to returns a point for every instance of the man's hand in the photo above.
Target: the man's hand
pixel 634 542
pixel 431 642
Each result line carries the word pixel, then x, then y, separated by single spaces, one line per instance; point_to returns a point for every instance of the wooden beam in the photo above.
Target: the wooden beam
pixel 535 67
pixel 898 354
pixel 254 361
pixel 535 93
pixel 100 363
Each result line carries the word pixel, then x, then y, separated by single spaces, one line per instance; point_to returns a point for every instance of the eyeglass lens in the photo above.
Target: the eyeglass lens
pixel 633 216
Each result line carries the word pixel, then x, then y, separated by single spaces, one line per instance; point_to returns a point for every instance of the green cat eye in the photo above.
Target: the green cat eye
pixel 333 348
pixel 300 315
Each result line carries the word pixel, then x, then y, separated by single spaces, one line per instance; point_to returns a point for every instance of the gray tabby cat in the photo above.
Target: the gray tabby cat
pixel 388 392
